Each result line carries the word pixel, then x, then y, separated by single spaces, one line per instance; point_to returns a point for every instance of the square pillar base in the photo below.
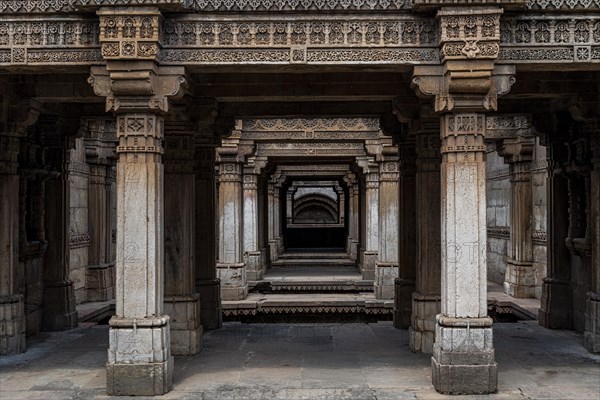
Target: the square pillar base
pixel 422 330
pixel 12 325
pixel 59 313
pixel 254 265
pixel 385 277
pixel 100 282
pixel 186 327
pixel 519 279
pixel 139 357
pixel 143 379
pixel 234 285
pixel 555 310
pixel 463 359
pixel 273 250
pixel 591 335
pixel 404 289
pixel 368 259
pixel 211 313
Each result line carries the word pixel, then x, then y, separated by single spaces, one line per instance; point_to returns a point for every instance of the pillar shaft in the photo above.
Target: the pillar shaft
pixel 591 337
pixel 59 298
pixel 426 299
pixel 463 352
pixel 230 266
pixel 371 234
pixel 252 254
pixel 12 313
pixel 386 270
pixel 139 356
pixel 182 303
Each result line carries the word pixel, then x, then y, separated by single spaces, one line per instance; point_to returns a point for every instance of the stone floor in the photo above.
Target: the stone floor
pixel 307 361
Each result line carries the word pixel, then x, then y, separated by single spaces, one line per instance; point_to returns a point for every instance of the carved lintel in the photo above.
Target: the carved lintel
pixel 143 87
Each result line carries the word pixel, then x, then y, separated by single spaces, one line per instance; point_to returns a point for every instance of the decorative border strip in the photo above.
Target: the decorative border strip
pixel 540 237
pixel 498 232
pixel 229 312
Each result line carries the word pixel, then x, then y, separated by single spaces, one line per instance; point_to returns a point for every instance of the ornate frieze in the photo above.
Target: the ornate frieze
pixel 130 36
pixel 63 40
pixel 550 38
pixel 311 129
pixel 311 149
pixel 562 5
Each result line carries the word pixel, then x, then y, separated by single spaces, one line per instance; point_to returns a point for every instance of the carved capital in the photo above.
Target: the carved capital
pixel 140 134
pixel 142 87
pixel 464 86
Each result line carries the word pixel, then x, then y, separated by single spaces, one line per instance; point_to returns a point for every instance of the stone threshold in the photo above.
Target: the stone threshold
pixel 95 311
pixel 268 286
pixel 338 303
pixel 502 303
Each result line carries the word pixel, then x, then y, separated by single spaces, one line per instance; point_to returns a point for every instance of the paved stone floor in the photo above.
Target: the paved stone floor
pixel 307 361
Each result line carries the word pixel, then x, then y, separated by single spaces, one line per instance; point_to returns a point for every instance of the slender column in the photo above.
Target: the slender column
pixel 591 336
pixel 12 311
pixel 386 268
pixel 463 352
pixel 59 297
pixel 369 254
pixel 181 301
pixel 139 356
pixel 252 255
pixel 405 283
pixel 355 215
pixel 426 298
pixel 100 155
pixel 272 218
pixel 556 309
pixel 520 279
pixel 352 237
pixel 278 217
pixel 207 283
pixel 230 266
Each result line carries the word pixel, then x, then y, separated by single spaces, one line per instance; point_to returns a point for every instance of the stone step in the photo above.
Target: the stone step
pixel 313 263
pixel 257 306
pixel 311 286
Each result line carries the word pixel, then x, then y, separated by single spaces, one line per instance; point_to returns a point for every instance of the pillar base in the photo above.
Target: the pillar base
pixel 385 276
pixel 273 250
pixel 519 279
pixel 100 282
pixel 463 356
pixel 139 358
pixel 59 307
pixel 186 327
pixel 555 311
pixel 211 313
pixel 403 289
pixel 591 335
pixel 254 265
pixel 234 285
pixel 12 324
pixel 368 259
pixel 422 330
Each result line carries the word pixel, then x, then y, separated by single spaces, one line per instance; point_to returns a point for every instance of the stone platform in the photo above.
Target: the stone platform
pixel 314 260
pixel 306 280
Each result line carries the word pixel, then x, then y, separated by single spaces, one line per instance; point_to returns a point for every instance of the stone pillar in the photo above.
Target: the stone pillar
pixel 181 302
pixel 252 254
pixel 591 335
pixel 207 283
pixel 230 265
pixel 426 298
pixel 556 307
pixel 520 280
pixel 405 283
pixel 369 254
pixel 386 267
pixel 463 353
pixel 100 155
pixel 353 215
pixel 12 309
pixel 59 299
pixel 278 216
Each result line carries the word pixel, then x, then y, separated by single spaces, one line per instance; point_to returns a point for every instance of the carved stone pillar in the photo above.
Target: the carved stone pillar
pixel 252 254
pixel 463 353
pixel 556 309
pixel 138 90
pixel 405 283
pixel 591 336
pixel 520 278
pixel 275 239
pixel 59 297
pixel 371 234
pixel 353 215
pixel 181 302
pixel 230 264
pixel 386 267
pixel 100 154
pixel 426 298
